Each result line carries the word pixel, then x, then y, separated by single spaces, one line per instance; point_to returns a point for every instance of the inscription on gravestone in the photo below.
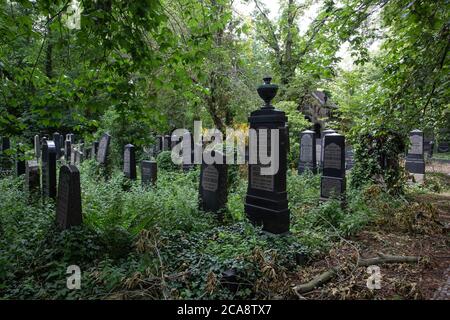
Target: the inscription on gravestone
pixel 333 178
pixel 261 182
pixel 416 146
pixel 307 152
pixel 68 207
pixel 210 178
pixel 332 157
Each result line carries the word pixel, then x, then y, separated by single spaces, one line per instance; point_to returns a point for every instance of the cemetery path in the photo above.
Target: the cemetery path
pixel 428 279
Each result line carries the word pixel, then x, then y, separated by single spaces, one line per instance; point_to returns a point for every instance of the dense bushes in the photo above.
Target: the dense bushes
pixel 155 243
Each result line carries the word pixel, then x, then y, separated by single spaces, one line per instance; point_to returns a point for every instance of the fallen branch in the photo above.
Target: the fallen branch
pixel 331 273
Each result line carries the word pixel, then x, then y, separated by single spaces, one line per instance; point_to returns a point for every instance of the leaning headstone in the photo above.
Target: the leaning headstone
pixel 37 147
pixel 129 162
pixel 48 169
pixel 307 152
pixel 68 206
pixel 415 163
pixel 266 202
pixel 213 187
pixel 333 182
pixel 56 140
pixel 149 172
pixel 32 178
pixel 103 146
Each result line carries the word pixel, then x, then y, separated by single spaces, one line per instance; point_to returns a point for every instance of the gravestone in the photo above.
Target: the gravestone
pixel 68 205
pixel 37 147
pixel 32 178
pixel 166 143
pixel 78 156
pixel 20 167
pixel 266 202
pixel 5 159
pixel 103 146
pixel 149 172
pixel 129 162
pixel 307 152
pixel 213 186
pixel 48 169
pixel 349 158
pixel 67 150
pixel 94 149
pixel 415 163
pixel 56 140
pixel 70 137
pixel 61 145
pixel 324 133
pixel 333 182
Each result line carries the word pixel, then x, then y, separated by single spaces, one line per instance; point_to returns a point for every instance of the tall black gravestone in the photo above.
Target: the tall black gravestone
pixel 415 163
pixel 48 169
pixel 56 140
pixel 149 172
pixel 307 152
pixel 32 177
pixel 129 162
pixel 213 186
pixel 68 205
pixel 266 202
pixel 67 150
pixel 103 146
pixel 332 182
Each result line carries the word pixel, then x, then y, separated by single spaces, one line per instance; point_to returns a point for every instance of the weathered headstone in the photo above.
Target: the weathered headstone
pixel 307 152
pixel 324 133
pixel 103 146
pixel 213 186
pixel 32 177
pixel 333 182
pixel 149 172
pixel 129 162
pixel 266 202
pixel 56 140
pixel 68 206
pixel 415 163
pixel 37 147
pixel 48 169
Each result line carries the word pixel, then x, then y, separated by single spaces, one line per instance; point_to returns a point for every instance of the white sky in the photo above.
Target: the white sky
pixel 246 9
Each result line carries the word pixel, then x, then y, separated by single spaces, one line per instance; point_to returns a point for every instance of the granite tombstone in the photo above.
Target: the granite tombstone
pixel 307 152
pixel 68 205
pixel 48 169
pixel 333 182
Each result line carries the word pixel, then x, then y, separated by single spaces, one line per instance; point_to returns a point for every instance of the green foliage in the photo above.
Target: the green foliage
pixel 164 161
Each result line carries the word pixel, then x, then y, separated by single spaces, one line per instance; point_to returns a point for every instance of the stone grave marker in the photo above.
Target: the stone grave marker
pixel 48 169
pixel 32 177
pixel 307 152
pixel 129 162
pixel 37 147
pixel 103 146
pixel 149 172
pixel 56 140
pixel 333 182
pixel 67 150
pixel 213 186
pixel 68 205
pixel 266 202
pixel 415 163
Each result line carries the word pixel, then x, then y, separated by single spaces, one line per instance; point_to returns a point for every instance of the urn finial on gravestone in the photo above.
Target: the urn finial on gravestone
pixel 266 202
